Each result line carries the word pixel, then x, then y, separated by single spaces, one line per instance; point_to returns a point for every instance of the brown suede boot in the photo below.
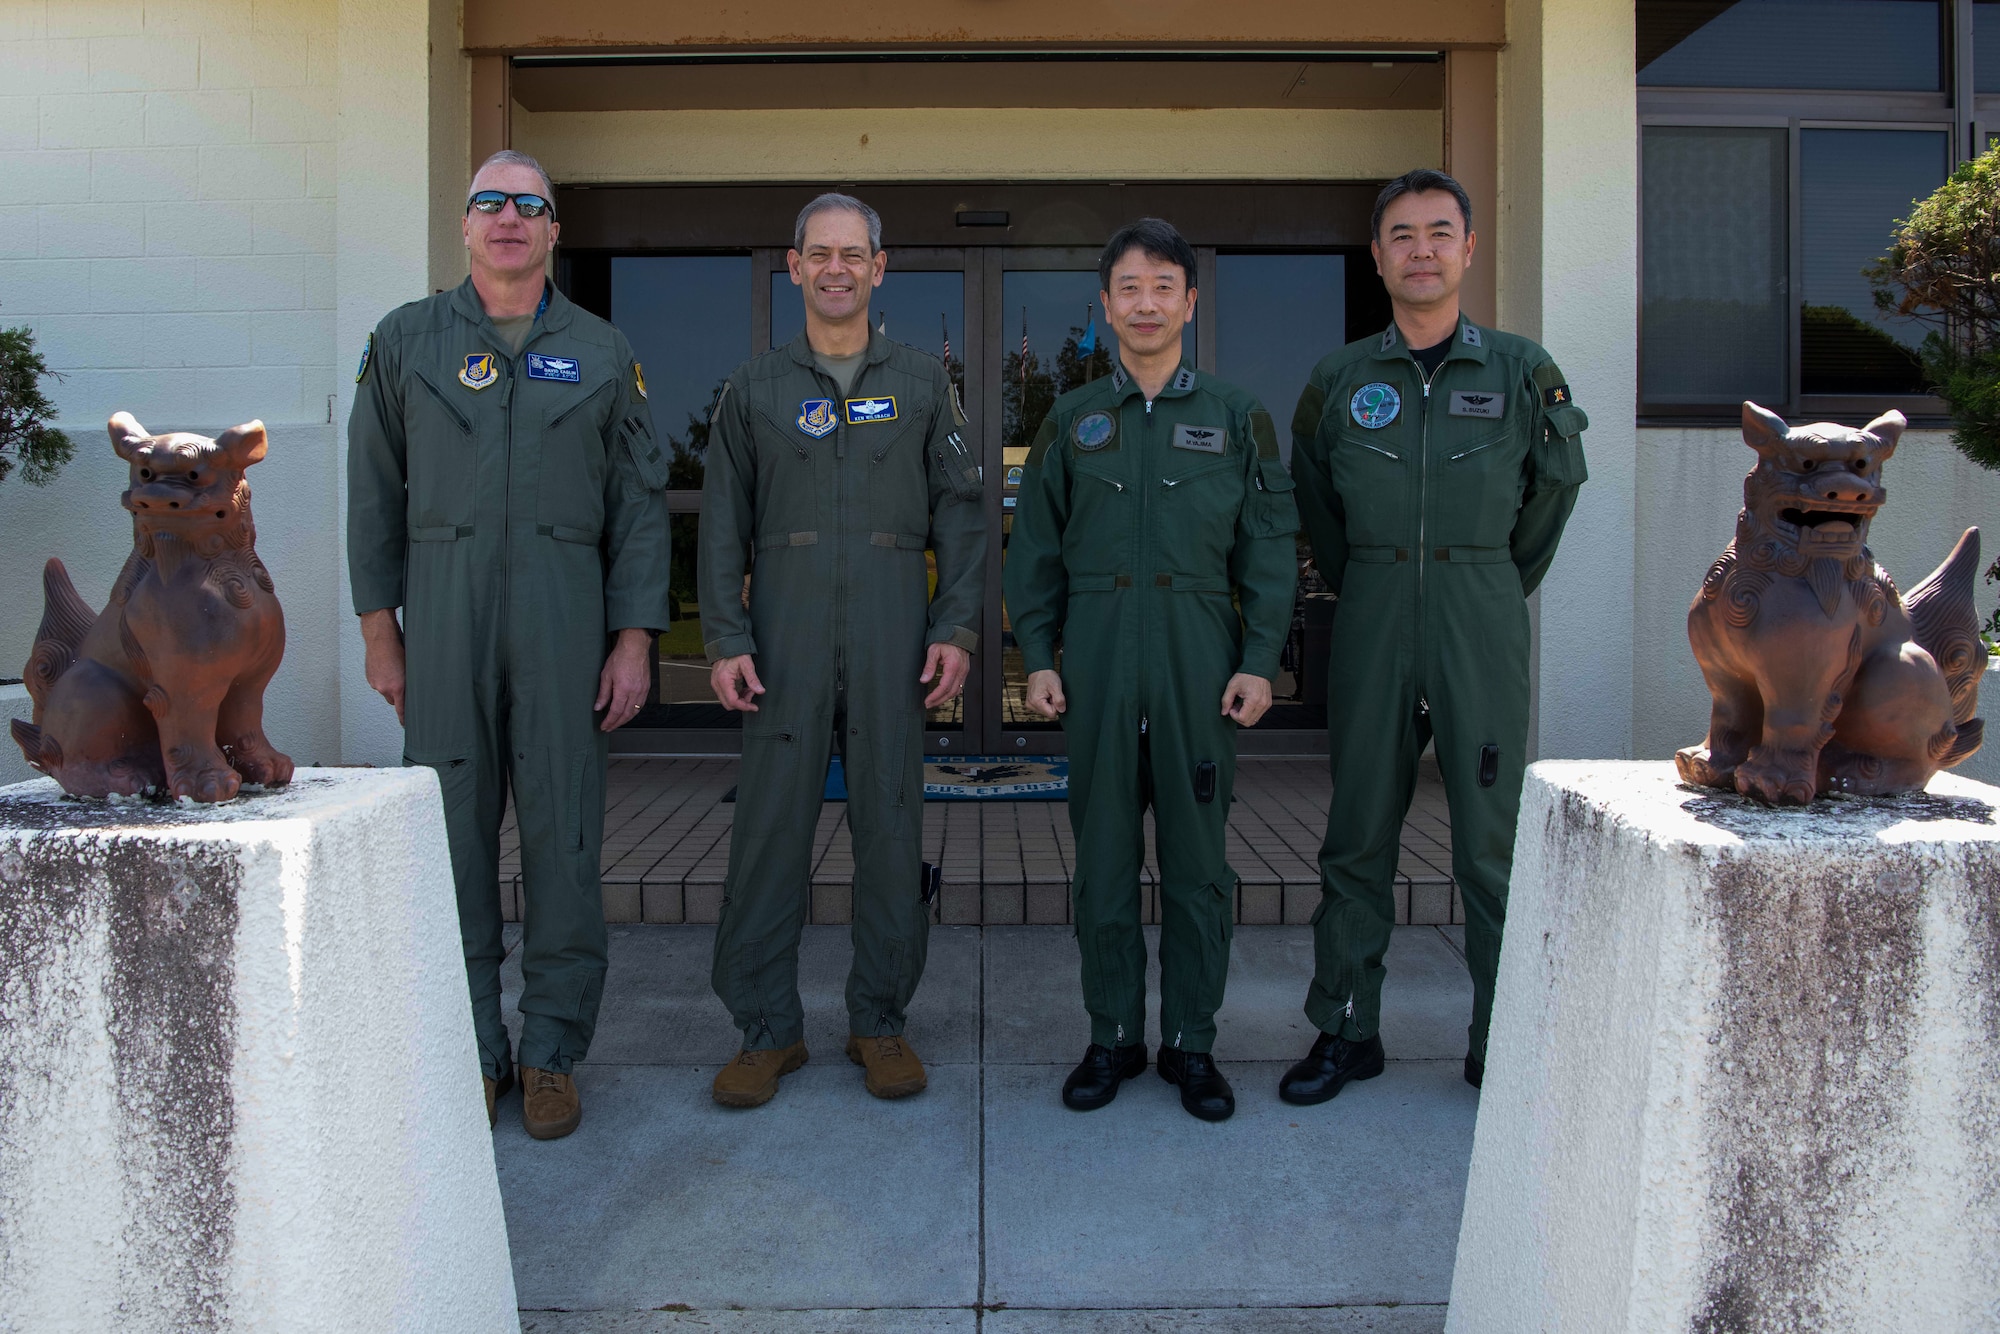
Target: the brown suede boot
pixel 893 1068
pixel 550 1108
pixel 752 1078
pixel 496 1089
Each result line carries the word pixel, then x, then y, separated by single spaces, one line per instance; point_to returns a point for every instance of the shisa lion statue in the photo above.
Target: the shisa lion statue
pixel 1824 678
pixel 163 691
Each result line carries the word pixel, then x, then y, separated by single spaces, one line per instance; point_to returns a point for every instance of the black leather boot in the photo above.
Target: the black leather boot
pixel 1475 1070
pixel 1332 1062
pixel 1097 1076
pixel 1204 1092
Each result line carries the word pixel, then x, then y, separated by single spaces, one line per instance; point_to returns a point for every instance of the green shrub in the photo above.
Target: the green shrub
pixel 26 437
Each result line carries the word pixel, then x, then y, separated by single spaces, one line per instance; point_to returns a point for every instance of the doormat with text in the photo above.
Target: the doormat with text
pixel 972 778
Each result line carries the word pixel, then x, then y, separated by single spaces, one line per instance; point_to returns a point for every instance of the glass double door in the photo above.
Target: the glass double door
pixel 1016 327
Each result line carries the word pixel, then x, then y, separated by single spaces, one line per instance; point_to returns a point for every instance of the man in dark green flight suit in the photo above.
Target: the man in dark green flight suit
pixel 833 463
pixel 505 490
pixel 1437 463
pixel 1155 544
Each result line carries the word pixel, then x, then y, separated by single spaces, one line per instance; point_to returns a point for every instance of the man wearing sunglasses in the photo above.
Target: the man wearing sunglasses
pixel 505 490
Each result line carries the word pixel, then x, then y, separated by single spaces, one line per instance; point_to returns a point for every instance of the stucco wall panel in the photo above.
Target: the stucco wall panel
pixel 920 143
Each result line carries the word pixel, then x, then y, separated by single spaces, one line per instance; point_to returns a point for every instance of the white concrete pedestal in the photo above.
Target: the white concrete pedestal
pixel 1744 1072
pixel 238 1088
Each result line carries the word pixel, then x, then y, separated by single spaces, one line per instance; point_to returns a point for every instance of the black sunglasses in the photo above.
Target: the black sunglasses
pixel 492 201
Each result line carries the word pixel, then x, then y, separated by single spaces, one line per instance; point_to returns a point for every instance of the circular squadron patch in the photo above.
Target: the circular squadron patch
pixel 1375 405
pixel 1093 430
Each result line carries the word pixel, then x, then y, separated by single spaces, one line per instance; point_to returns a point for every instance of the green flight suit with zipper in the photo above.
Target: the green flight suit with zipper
pixel 511 503
pixel 1434 505
pixel 1155 543
pixel 834 498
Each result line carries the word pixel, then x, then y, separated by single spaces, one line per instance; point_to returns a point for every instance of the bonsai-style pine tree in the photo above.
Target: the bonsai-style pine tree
pixel 27 440
pixel 1943 268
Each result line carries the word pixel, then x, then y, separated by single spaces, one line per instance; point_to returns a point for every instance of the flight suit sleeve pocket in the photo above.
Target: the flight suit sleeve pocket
pixel 955 462
pixel 648 460
pixel 1273 510
pixel 1559 457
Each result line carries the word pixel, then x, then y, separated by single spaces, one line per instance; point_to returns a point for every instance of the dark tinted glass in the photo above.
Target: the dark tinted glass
pixel 688 320
pixel 924 309
pixel 1275 317
pixel 1866 44
pixel 1853 186
pixel 1716 295
pixel 1986 47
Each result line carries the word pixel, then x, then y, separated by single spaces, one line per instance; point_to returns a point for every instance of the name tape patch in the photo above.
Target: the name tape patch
pixel 1201 439
pixel 1473 403
pixel 1375 405
pixel 861 411
pixel 816 417
pixel 553 368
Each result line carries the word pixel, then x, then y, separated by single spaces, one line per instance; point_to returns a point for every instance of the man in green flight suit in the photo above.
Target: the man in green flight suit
pixel 1437 463
pixel 1155 543
pixel 505 490
pixel 833 463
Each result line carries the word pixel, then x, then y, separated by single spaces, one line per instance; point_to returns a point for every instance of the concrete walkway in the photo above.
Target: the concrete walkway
pixel 983 1203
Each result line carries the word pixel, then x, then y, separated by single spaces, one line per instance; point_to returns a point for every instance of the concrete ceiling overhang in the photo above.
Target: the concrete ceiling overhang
pixel 493 27
pixel 1386 81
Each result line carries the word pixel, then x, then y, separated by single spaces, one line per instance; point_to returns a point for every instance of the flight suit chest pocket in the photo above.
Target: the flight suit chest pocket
pixel 1478 480
pixel 898 471
pixel 1199 505
pixel 573 456
pixel 442 453
pixel 1375 475
pixel 1103 504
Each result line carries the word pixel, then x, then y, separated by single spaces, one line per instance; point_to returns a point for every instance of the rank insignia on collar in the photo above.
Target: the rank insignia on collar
pixel 1388 338
pixel 553 368
pixel 861 411
pixel 1093 431
pixel 1375 405
pixel 816 417
pixel 367 351
pixel 1184 379
pixel 1118 378
pixel 481 369
pixel 1471 334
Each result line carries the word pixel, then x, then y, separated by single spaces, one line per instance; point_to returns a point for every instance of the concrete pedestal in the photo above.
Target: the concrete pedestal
pixel 238 1089
pixel 1744 1072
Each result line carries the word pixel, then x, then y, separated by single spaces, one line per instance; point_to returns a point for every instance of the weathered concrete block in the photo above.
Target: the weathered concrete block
pixel 238 1088
pixel 1744 1072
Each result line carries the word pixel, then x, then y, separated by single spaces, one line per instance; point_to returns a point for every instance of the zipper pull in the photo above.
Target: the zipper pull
pixel 1142 724
pixel 1427 387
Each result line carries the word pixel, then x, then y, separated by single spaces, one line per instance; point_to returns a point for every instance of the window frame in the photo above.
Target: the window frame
pixel 1964 117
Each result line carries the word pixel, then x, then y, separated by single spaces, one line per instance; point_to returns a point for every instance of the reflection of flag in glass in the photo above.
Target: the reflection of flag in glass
pixel 946 326
pixel 1088 343
pixel 1024 345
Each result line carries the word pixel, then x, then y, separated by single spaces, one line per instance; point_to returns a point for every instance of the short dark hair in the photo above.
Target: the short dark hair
pixel 1156 237
pixel 1421 181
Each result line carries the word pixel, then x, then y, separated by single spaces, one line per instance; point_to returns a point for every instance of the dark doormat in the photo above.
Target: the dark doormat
pixel 972 778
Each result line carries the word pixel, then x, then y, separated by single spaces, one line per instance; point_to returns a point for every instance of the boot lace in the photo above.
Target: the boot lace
pixel 543 1081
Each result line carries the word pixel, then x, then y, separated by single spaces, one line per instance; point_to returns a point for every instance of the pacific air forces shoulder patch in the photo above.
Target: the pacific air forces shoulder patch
pixel 816 417
pixel 481 369
pixel 1094 430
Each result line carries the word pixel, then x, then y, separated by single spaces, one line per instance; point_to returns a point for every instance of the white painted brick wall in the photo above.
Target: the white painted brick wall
pixel 168 226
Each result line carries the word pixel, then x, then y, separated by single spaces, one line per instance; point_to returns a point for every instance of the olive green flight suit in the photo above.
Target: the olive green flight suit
pixel 1156 543
pixel 1434 510
pixel 512 505
pixel 834 498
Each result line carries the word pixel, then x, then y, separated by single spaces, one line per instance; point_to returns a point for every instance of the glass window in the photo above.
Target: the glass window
pixel 1853 186
pixel 1986 46
pixel 925 309
pixel 1275 317
pixel 1844 44
pixel 688 320
pixel 1716 295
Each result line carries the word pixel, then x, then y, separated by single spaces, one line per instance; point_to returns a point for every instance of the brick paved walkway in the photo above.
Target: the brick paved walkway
pixel 666 847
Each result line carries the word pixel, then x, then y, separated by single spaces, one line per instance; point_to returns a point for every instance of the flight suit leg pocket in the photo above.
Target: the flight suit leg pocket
pixel 767 791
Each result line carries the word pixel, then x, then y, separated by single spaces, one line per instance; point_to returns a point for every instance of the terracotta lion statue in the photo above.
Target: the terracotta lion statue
pixel 163 691
pixel 1825 678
